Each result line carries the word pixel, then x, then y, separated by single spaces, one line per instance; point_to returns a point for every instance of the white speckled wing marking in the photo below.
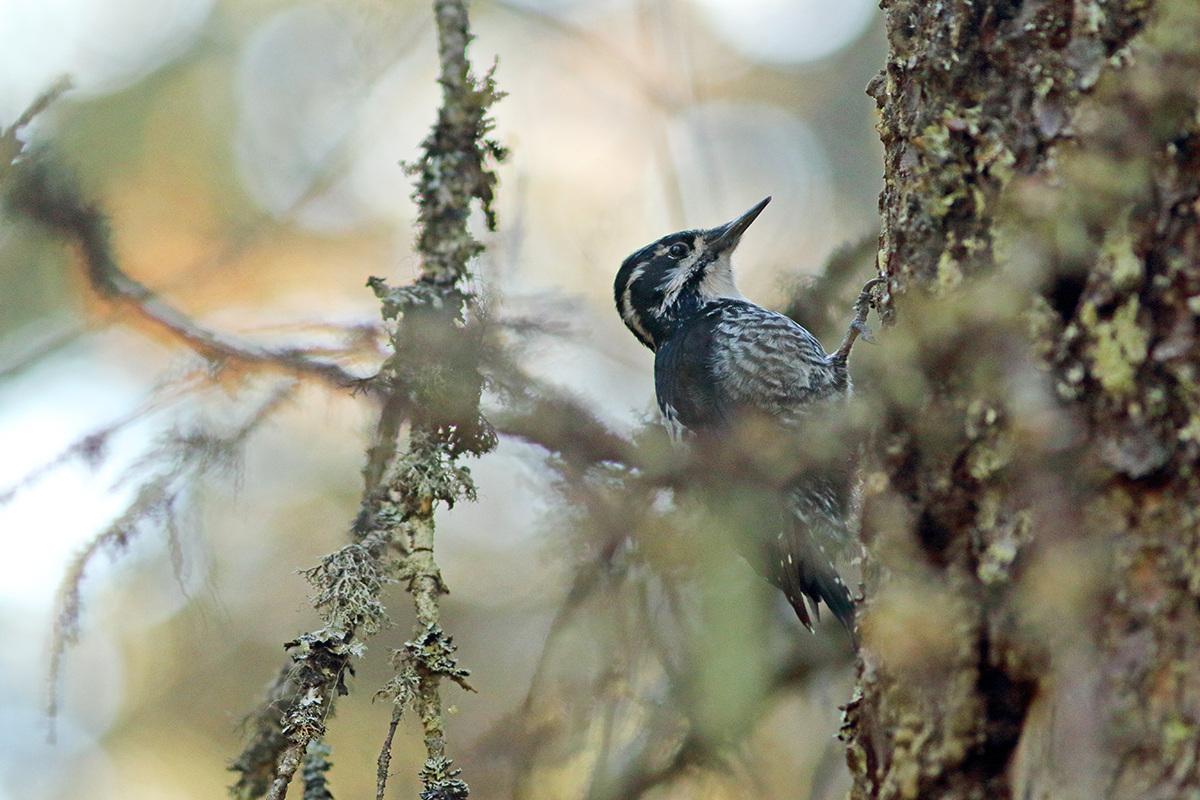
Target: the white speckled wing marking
pixel 671 422
pixel 764 361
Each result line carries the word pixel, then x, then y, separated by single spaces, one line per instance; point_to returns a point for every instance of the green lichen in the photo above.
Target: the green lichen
pixel 1119 345
pixel 988 459
pixel 1191 431
pixel 949 273
pixel 997 559
pixel 1124 268
pixel 995 156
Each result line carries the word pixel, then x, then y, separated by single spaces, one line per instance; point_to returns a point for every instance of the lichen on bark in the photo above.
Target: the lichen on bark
pixel 973 94
pixel 1033 478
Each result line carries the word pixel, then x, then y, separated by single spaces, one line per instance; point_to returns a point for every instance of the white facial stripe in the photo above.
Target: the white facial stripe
pixel 627 296
pixel 627 311
pixel 680 275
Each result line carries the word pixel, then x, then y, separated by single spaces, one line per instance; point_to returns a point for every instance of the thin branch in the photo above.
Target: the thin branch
pixel 91 447
pixel 322 660
pixel 385 754
pixel 316 765
pixel 432 381
pixel 47 197
pixel 10 145
pixel 542 415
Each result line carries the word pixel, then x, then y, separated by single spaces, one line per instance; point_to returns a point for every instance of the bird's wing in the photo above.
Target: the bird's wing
pixel 763 361
pixel 684 381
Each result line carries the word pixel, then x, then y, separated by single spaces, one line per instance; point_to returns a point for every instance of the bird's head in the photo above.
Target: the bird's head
pixel 665 282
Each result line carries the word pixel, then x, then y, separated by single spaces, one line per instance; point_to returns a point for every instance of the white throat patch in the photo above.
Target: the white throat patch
pixel 718 280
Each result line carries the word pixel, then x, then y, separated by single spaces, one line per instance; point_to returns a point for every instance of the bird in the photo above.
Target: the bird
pixel 719 358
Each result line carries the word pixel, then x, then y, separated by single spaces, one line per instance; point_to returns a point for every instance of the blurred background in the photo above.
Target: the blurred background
pixel 247 154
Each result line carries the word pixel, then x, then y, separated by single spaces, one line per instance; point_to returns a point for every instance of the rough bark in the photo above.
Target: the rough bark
pixel 1031 514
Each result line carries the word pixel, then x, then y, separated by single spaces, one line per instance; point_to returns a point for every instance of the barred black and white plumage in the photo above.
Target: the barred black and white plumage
pixel 733 356
pixel 718 358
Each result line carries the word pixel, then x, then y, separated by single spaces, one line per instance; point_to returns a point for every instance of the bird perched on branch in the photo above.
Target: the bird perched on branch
pixel 720 359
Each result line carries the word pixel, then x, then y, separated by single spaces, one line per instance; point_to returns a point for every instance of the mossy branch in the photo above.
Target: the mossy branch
pixel 433 382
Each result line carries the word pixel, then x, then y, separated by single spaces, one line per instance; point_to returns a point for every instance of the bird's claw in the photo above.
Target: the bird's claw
pixel 866 298
pixel 858 327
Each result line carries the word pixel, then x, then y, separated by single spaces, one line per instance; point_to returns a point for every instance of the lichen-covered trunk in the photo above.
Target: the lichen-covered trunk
pixel 1032 506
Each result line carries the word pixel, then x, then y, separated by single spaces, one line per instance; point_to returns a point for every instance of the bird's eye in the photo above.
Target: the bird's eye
pixel 678 250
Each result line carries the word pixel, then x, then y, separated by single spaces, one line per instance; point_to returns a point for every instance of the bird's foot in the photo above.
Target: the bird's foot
pixel 858 327
pixel 864 331
pixel 866 299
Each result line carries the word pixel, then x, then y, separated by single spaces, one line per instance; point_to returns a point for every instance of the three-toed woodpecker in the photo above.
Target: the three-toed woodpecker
pixel 717 357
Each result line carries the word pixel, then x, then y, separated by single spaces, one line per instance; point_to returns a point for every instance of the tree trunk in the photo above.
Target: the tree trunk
pixel 1031 511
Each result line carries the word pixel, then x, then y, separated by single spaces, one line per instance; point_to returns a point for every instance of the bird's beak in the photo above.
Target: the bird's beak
pixel 728 235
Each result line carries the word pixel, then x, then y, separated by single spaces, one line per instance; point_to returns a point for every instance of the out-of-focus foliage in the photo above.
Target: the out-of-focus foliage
pixel 246 156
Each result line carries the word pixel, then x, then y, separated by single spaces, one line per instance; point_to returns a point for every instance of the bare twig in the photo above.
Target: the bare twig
pixel 548 417
pixel 10 145
pixel 385 754
pixel 90 448
pixel 48 197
